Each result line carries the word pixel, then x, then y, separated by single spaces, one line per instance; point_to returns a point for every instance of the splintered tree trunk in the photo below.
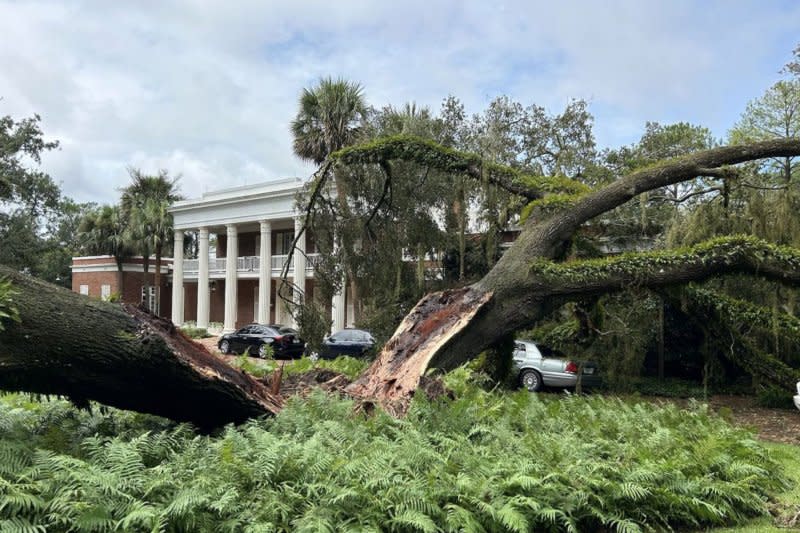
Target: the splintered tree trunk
pixel 435 321
pixel 446 329
pixel 70 345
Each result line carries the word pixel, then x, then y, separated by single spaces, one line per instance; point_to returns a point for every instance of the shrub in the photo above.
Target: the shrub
pixel 195 332
pixel 774 397
pixel 313 324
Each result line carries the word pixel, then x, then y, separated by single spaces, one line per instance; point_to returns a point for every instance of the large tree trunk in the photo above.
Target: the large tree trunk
pixel 74 346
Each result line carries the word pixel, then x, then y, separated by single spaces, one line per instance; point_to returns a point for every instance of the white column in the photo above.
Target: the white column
pixel 265 273
pixel 231 255
pixel 203 296
pixel 299 275
pixel 177 279
pixel 338 309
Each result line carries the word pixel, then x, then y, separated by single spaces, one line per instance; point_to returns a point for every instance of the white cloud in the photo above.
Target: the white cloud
pixel 208 90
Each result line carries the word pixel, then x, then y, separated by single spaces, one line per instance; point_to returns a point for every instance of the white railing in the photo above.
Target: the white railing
pixel 279 261
pixel 248 263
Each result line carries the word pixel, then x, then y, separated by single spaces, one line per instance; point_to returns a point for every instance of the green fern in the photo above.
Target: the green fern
pixel 484 462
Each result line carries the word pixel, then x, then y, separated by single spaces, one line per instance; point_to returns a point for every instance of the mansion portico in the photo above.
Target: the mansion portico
pixel 254 227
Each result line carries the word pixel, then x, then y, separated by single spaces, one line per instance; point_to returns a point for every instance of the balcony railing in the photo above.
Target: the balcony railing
pixel 248 263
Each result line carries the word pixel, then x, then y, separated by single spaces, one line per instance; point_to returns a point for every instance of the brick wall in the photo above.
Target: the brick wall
pixel 132 282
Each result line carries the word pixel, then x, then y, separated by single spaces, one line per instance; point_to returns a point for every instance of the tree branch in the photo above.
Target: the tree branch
pixel 320 181
pixel 666 268
pixel 685 196
pixel 433 155
pixel 660 175
pixel 740 317
pixel 71 345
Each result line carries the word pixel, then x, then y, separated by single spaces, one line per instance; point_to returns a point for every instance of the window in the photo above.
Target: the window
pixel 84 289
pixel 105 292
pixel 150 303
pixel 283 242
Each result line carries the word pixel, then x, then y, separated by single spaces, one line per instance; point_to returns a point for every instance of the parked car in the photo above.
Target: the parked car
pixel 255 338
pixel 535 370
pixel 352 342
pixel 797 398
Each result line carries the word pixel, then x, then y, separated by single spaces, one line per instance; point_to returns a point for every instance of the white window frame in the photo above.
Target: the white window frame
pixel 84 290
pixel 151 303
pixel 105 292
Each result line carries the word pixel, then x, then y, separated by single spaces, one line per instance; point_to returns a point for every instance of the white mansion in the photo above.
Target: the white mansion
pixel 254 226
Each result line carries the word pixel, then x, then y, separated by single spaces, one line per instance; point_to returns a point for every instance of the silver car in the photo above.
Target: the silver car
pixel 535 370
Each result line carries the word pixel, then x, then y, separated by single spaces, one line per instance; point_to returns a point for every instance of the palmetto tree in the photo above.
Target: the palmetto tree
pixel 105 231
pixel 329 118
pixel 146 202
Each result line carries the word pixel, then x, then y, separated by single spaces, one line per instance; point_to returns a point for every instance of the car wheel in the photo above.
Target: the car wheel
pixel 225 347
pixel 262 351
pixel 531 380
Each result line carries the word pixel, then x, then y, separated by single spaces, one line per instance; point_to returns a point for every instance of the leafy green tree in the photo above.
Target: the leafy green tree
pixel 21 187
pixel 37 224
pixel 775 115
pixel 328 118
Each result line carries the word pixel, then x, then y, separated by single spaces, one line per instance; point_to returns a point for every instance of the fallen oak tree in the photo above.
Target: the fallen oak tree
pixel 448 328
pixel 70 345
pixel 66 344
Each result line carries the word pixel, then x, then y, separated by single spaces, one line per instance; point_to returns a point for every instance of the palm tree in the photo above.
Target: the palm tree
pixel 329 118
pixel 146 200
pixel 104 231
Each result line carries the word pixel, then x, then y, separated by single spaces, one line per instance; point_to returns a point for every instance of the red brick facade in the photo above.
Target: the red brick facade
pixel 95 272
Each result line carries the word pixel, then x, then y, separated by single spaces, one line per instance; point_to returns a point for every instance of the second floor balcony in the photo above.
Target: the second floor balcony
pixel 246 266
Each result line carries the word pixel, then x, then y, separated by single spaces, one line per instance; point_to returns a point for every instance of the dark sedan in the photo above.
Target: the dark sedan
pixel 352 342
pixel 255 339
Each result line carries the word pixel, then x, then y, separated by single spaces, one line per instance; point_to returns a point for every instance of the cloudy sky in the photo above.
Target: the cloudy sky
pixel 207 89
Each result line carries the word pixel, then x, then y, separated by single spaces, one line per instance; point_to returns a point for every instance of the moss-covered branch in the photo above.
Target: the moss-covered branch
pixel 741 320
pixel 715 161
pixel 669 267
pixel 740 314
pixel 431 154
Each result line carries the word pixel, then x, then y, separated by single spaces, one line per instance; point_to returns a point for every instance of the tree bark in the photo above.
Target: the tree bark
pixel 70 345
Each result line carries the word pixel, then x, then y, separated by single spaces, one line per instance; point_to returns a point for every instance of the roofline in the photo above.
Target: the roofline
pixel 274 189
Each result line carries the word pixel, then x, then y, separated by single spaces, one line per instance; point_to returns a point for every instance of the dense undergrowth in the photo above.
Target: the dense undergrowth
pixel 483 462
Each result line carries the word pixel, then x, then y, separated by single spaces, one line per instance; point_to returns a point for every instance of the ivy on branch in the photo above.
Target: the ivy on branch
pixel 669 267
pixel 428 153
